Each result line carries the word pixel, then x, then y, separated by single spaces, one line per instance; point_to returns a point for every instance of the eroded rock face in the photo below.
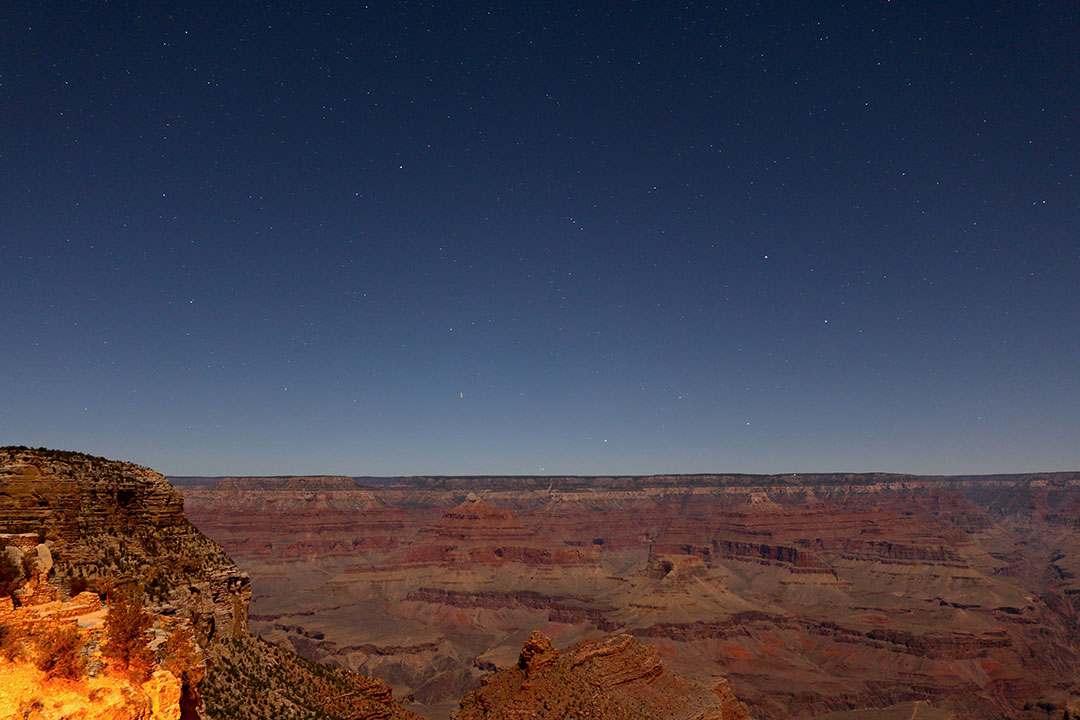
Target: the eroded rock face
pixel 68 494
pixel 164 690
pixel 808 593
pixel 111 525
pixel 614 678
pixel 537 652
pixel 114 520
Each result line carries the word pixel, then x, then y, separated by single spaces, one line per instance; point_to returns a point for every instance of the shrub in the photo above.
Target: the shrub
pixel 125 627
pixel 58 653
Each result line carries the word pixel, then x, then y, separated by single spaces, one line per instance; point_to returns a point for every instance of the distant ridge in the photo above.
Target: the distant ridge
pixel 268 482
pixel 625 482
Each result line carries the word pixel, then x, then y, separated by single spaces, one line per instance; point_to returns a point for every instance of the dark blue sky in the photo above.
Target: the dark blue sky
pixel 620 238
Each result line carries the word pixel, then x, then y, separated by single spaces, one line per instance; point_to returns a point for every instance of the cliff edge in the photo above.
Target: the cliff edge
pixel 76 530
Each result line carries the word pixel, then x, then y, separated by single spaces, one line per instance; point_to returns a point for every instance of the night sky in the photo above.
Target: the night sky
pixel 609 237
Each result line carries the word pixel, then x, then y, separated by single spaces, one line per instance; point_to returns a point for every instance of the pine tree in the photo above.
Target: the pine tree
pixel 125 627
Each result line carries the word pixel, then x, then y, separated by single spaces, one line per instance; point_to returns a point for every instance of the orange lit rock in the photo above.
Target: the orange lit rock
pixel 164 689
pixel 26 692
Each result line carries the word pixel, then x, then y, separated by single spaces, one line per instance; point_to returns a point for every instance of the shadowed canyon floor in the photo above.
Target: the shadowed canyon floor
pixel 810 595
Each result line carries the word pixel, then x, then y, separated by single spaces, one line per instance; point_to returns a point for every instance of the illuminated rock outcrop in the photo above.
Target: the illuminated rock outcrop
pixel 70 521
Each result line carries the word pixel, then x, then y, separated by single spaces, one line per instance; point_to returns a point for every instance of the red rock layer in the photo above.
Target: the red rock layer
pixel 810 593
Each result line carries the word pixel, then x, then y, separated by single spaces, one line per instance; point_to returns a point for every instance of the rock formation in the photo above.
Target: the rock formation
pixel 70 521
pixel 26 692
pixel 615 678
pixel 119 521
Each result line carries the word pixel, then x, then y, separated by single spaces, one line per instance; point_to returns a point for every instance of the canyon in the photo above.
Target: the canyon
pixel 709 597
pixel 858 596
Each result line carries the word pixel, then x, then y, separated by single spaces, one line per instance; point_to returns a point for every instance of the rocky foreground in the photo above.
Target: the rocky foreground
pixel 828 596
pixel 75 529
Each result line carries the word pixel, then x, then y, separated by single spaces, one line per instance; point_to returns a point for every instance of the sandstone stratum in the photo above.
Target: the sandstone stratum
pixel 114 607
pixel 859 596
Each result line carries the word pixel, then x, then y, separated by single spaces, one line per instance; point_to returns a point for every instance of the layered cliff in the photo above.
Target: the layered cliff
pixel 70 521
pixel 112 522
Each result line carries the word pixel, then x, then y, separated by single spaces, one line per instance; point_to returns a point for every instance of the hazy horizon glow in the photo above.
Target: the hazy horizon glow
pixel 625 239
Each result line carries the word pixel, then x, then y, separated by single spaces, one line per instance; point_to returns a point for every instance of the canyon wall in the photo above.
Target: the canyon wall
pixel 71 521
pixel 807 594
